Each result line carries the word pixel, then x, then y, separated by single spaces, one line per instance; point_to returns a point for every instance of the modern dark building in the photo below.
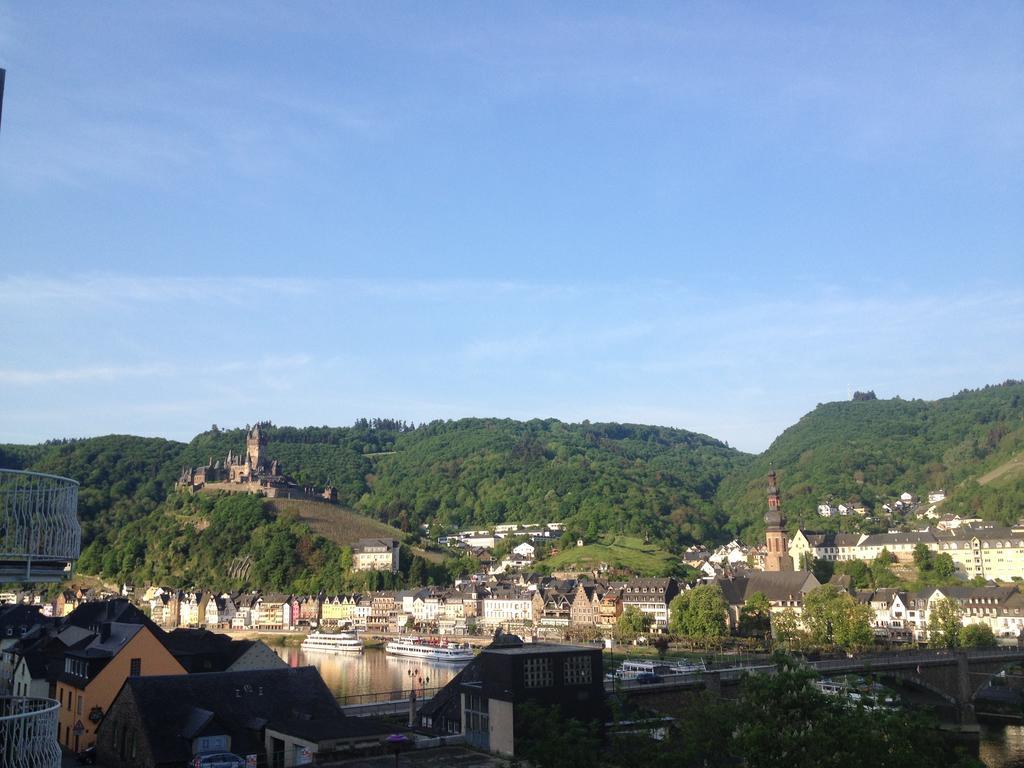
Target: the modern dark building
pixel 483 701
pixel 273 717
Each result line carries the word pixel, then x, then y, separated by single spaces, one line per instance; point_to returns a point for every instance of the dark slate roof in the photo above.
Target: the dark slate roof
pixel 36 662
pixel 777 586
pixel 20 618
pixel 292 701
pixel 91 615
pixel 842 580
pixel 101 648
pixel 199 650
pixel 907 537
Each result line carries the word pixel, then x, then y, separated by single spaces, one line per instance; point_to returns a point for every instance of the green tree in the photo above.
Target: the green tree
pixel 945 623
pixel 886 557
pixel 756 616
pixel 417 572
pixel 786 629
pixel 944 567
pixel 632 624
pixel 977 636
pixel 881 571
pixel 547 739
pixel 858 571
pixel 699 612
pixel 834 617
pixel 922 557
pixel 783 721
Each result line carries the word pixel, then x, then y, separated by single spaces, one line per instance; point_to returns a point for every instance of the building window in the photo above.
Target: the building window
pixel 537 673
pixel 477 715
pixel 136 668
pixel 577 670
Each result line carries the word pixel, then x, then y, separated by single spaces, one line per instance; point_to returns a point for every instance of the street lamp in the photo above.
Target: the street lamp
pixel 396 741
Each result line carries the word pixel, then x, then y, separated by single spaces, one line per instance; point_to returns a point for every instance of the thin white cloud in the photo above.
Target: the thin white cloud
pixel 95 289
pixel 105 289
pixel 112 372
pixel 106 373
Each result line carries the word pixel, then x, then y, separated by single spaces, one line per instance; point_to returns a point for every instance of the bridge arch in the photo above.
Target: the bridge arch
pixel 912 680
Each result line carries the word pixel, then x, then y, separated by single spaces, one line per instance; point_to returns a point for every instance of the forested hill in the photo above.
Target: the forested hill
pixel 598 477
pixel 650 481
pixel 872 450
pixel 670 485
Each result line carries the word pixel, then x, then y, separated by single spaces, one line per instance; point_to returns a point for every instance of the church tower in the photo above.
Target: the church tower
pixel 255 442
pixel 778 558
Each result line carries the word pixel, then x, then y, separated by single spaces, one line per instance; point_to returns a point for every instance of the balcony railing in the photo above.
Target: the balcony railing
pixel 40 537
pixel 28 733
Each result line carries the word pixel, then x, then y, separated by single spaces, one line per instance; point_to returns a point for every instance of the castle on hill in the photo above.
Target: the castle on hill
pixel 254 474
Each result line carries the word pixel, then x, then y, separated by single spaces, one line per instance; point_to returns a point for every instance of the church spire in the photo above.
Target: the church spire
pixel 778 558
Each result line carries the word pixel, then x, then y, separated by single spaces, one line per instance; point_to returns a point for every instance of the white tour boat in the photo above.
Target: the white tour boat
pixel 631 670
pixel 429 650
pixel 340 642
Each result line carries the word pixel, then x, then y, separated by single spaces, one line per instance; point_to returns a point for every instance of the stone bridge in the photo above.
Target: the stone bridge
pixel 954 676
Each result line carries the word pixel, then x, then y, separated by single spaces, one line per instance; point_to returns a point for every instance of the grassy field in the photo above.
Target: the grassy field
pixel 618 552
pixel 340 525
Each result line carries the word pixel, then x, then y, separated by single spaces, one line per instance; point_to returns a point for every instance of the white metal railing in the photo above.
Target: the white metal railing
pixel 28 733
pixel 40 536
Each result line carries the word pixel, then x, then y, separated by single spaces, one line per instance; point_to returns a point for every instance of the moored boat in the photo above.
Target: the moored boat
pixel 429 650
pixel 631 670
pixel 340 642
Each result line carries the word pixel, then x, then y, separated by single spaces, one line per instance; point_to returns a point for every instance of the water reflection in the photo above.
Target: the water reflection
pixel 1002 746
pixel 371 671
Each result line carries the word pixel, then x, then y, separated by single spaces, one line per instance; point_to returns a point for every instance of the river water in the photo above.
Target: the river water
pixel 373 671
pixel 1002 746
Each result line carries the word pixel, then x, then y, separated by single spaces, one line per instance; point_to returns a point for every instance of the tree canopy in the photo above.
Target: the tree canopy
pixel 834 617
pixel 699 612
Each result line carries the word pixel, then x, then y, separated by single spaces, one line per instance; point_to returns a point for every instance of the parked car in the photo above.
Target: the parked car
pixel 87 756
pixel 218 760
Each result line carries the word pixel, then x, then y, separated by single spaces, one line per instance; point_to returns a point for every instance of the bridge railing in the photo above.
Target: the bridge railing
pixel 40 537
pixel 379 697
pixel 28 733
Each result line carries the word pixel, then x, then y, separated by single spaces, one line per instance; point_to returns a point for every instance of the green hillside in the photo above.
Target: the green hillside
pixel 617 552
pixel 668 486
pixel 873 450
pixel 597 478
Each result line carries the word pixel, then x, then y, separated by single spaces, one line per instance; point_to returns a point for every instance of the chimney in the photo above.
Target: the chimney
pixel 104 631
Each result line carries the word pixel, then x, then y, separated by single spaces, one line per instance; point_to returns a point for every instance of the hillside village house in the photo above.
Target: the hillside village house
pixel 246 611
pixel 988 551
pixel 94 672
pixel 586 601
pixel 272 611
pixel 507 608
pixel 192 608
pixel 220 610
pixel 336 610
pixel 375 555
pixel 610 608
pixel 651 596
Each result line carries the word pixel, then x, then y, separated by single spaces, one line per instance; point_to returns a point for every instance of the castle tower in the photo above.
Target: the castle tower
pixel 255 442
pixel 778 558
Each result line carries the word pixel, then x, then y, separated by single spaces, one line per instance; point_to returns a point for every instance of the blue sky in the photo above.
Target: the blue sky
pixel 711 216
